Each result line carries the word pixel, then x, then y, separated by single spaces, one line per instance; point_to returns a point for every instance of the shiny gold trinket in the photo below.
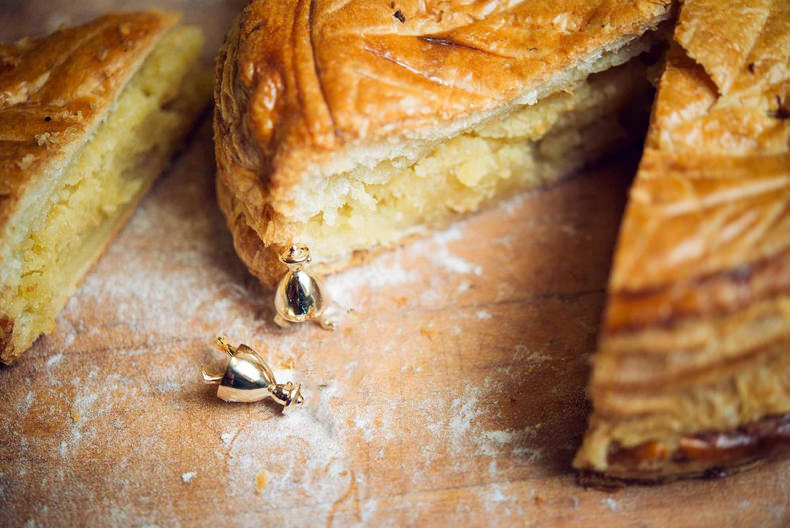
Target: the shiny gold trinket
pixel 300 296
pixel 249 378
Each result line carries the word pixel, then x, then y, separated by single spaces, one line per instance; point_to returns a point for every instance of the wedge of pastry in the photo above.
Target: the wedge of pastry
pixel 692 375
pixel 352 126
pixel 88 118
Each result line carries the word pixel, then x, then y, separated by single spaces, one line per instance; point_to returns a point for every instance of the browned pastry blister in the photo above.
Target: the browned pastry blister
pixel 351 127
pixel 88 117
pixel 692 373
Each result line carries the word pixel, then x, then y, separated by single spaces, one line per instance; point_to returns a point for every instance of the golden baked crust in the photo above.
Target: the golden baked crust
pixel 55 90
pixel 315 88
pixel 56 94
pixel 696 338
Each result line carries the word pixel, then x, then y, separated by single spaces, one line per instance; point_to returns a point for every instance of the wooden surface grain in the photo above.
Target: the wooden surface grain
pixel 453 392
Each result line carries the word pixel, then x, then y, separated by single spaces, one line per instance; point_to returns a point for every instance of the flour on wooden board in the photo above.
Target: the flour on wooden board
pixel 389 269
pixel 301 450
pixel 307 453
pixel 309 448
pixel 463 430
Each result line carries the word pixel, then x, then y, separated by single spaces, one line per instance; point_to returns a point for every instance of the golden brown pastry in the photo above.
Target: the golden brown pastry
pixel 88 118
pixel 692 374
pixel 350 126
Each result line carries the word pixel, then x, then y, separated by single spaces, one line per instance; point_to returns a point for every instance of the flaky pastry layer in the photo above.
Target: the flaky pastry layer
pixel 62 227
pixel 696 337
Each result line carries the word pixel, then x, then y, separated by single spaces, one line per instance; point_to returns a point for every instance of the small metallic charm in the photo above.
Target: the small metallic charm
pixel 300 296
pixel 248 378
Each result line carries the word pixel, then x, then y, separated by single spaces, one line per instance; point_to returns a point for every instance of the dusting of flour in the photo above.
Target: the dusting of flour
pixel 399 418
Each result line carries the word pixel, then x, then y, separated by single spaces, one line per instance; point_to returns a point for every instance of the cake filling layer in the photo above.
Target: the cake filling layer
pixel 535 144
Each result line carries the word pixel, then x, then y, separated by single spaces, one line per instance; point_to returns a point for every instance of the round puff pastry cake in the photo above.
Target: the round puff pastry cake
pixel 89 116
pixel 350 126
pixel 692 375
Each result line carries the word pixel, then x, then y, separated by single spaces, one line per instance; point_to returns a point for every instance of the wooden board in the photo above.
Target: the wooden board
pixel 453 393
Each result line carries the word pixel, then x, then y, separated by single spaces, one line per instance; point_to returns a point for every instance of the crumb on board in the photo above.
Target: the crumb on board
pixel 46 138
pixel 428 332
pixel 75 415
pixel 27 161
pixel 610 503
pixel 261 479
pixel 187 477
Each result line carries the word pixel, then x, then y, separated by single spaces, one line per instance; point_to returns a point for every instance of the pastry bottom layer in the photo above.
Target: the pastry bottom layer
pixel 742 378
pixel 99 189
pixel 704 455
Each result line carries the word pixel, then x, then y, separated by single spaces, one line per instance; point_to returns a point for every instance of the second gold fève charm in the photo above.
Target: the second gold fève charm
pixel 248 378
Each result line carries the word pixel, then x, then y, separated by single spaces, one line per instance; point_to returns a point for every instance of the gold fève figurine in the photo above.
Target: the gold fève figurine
pixel 300 296
pixel 248 378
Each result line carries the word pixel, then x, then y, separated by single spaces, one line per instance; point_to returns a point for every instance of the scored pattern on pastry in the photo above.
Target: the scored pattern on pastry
pixel 343 70
pixel 696 338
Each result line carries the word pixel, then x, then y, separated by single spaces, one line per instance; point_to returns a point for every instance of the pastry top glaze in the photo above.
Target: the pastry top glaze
pixel 301 84
pixel 55 90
